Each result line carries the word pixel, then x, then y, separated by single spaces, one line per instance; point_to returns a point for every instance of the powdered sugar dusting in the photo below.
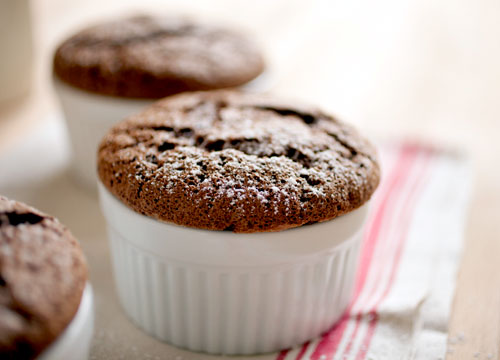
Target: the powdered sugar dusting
pixel 244 155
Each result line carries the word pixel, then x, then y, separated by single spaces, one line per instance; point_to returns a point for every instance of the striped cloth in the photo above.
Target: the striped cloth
pixel 408 262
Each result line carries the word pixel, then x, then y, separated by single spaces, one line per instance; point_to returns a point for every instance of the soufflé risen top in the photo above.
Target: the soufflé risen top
pixel 153 57
pixel 230 161
pixel 42 278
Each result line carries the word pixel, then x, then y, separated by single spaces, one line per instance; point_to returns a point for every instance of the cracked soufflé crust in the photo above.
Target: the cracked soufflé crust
pixel 225 160
pixel 42 277
pixel 153 57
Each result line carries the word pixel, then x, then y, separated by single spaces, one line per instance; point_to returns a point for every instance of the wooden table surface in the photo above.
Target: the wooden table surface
pixel 415 68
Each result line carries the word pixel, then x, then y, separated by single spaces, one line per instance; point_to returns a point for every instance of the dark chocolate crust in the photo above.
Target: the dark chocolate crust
pixel 153 57
pixel 42 277
pixel 224 160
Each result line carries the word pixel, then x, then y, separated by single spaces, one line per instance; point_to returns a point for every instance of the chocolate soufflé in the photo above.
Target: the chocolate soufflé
pixel 153 57
pixel 225 160
pixel 42 277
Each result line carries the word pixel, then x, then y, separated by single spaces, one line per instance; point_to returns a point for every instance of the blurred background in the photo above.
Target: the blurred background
pixel 412 67
pixel 421 69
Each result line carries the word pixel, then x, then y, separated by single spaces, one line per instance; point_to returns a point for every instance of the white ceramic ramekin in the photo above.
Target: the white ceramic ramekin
pixel 88 117
pixel 74 342
pixel 225 293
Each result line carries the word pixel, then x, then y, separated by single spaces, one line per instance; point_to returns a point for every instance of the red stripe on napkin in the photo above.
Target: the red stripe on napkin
pixel 405 218
pixel 406 158
pixel 393 184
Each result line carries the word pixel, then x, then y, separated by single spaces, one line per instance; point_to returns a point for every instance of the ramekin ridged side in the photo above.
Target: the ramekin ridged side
pixel 88 117
pixel 227 293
